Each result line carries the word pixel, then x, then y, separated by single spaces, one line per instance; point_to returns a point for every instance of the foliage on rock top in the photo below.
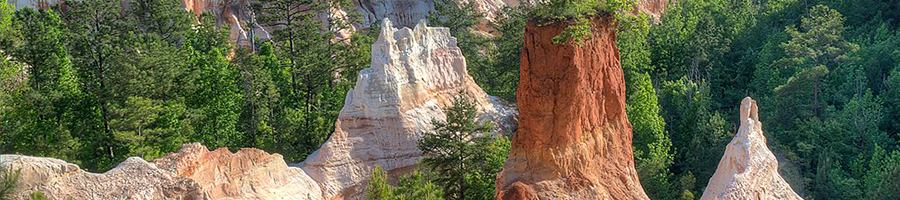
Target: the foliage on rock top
pixel 580 13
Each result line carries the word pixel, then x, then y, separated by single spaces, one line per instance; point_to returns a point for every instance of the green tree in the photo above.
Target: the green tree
pixel 96 46
pixel 35 123
pixel 214 95
pixel 9 181
pixel 7 31
pixel 159 18
pixel 580 12
pixel 311 81
pixel 651 143
pixel 462 154
pixel 819 41
pixel 891 99
pixel 148 128
pixel 702 133
pixel 816 48
pixel 378 188
pixel 410 187
pixel 882 170
pixel 502 79
pixel 260 96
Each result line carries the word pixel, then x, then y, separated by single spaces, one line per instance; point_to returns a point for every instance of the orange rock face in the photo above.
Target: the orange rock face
pixel 574 138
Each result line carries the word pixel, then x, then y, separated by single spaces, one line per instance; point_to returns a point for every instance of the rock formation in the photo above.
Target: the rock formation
pixel 748 170
pixel 39 4
pixel 406 13
pixel 574 138
pixel 414 74
pixel 132 179
pixel 236 13
pixel 654 8
pixel 194 173
pixel 247 174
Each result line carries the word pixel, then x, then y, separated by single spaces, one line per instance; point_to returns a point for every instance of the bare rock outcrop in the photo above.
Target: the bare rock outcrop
pixel 132 179
pixel 748 170
pixel 193 173
pixel 407 13
pixel 247 174
pixel 414 74
pixel 236 13
pixel 38 4
pixel 574 138
pixel 654 8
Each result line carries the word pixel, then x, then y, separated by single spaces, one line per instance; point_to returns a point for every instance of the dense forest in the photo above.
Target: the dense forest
pixel 96 83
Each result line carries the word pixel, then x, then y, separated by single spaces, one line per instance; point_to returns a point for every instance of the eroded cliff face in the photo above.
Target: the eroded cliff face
pixel 414 74
pixel 193 173
pixel 246 174
pixel 236 13
pixel 574 138
pixel 38 4
pixel 132 179
pixel 407 13
pixel 748 170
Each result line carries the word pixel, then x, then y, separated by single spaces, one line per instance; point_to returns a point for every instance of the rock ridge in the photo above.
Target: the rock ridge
pixel 748 169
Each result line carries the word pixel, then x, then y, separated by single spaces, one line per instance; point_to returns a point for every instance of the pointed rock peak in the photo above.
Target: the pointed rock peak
pixel 387 31
pixel 414 74
pixel 748 170
pixel 749 111
pixel 422 25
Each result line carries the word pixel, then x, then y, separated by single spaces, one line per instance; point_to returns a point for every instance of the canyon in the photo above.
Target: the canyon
pixel 572 138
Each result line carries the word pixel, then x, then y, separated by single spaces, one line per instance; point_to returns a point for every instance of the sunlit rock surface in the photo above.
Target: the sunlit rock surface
pixel 247 174
pixel 132 179
pixel 748 170
pixel 414 74
pixel 574 138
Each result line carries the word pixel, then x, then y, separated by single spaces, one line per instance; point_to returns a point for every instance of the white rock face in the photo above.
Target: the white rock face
pixel 20 4
pixel 414 74
pixel 748 170
pixel 406 13
pixel 132 179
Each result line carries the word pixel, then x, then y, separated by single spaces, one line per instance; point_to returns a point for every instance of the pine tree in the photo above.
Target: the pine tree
pixel 214 94
pixel 37 113
pixel 9 181
pixel 96 45
pixel 465 158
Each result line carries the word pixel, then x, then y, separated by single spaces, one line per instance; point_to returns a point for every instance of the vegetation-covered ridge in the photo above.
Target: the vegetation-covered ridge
pixel 99 83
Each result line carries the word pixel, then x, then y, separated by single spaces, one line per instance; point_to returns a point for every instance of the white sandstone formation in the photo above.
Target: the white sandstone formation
pixel 748 170
pixel 132 179
pixel 414 74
